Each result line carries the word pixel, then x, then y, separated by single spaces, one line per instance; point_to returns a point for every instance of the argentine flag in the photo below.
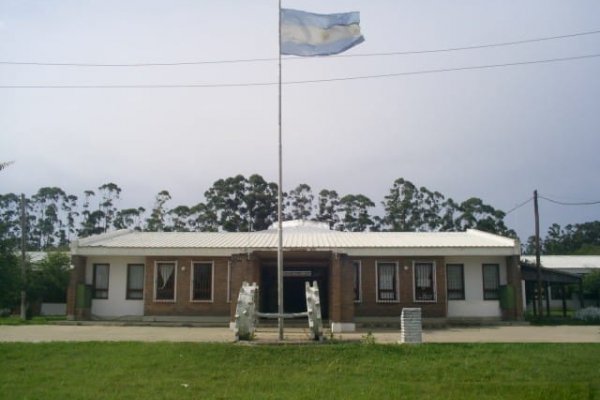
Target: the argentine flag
pixel 307 34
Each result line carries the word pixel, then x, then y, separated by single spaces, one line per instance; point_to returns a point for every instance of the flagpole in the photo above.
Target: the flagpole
pixel 279 205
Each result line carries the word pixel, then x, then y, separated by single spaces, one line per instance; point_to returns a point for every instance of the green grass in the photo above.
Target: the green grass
pixel 14 320
pixel 128 370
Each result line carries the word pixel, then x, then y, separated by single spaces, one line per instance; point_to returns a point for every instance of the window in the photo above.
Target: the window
pixel 387 286
pixel 165 274
pixel 455 274
pixel 100 283
pixel 135 282
pixel 202 281
pixel 357 279
pixel 491 281
pixel 424 275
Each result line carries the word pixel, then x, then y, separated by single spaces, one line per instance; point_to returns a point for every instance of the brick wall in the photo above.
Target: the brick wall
pixel 513 278
pixel 183 304
pixel 243 268
pixel 341 294
pixel 370 307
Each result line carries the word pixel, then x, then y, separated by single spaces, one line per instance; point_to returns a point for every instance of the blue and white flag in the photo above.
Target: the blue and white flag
pixel 307 34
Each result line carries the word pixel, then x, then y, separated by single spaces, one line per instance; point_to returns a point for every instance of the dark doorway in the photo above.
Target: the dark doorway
pixel 294 278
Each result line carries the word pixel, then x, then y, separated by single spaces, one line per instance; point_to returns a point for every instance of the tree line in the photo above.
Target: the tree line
pixel 573 239
pixel 239 204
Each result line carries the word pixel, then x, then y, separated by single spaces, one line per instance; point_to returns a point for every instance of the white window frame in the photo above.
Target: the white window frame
pixel 212 281
pixel 359 263
pixel 414 276
pixel 174 300
pixel 396 280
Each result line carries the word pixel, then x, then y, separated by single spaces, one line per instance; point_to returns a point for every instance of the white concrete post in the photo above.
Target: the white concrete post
pixel 410 325
pixel 245 312
pixel 313 310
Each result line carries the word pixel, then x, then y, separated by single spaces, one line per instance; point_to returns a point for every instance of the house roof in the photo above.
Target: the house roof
pixel 297 235
pixel 573 264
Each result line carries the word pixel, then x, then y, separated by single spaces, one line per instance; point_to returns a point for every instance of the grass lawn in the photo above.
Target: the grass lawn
pixel 126 370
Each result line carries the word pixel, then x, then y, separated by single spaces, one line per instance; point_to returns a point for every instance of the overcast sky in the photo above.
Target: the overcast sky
pixel 496 134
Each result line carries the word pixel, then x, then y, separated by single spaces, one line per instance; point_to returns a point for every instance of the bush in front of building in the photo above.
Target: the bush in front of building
pixel 589 315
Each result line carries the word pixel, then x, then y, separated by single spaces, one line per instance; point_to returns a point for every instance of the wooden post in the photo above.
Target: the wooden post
pixel 564 298
pixel 546 294
pixel 537 250
pixel 23 259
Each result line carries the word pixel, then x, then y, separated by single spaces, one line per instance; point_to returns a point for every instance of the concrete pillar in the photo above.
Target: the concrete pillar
pixel 77 277
pixel 243 268
pixel 513 278
pixel 341 295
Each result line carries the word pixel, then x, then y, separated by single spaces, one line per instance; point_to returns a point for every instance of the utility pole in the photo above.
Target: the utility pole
pixel 537 252
pixel 23 259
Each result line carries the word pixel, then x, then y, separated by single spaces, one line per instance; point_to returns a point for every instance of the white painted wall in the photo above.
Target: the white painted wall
pixel 474 305
pixel 116 305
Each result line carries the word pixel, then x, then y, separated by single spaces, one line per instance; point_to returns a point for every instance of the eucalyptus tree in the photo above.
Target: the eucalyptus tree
pixel 401 206
pixel 50 228
pixel 180 219
pixel 474 213
pixel 10 215
pixel 299 203
pixel 328 208
pixel 130 218
pixel 355 213
pixel 110 194
pixel 237 204
pixel 261 202
pixel 157 222
pixel 92 220
pixel 203 219
pixel 225 200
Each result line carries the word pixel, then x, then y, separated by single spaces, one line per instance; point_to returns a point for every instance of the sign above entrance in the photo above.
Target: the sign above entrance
pixel 297 274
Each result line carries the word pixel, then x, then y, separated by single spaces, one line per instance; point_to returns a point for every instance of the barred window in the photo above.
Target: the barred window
pixel 202 281
pixel 456 281
pixel 424 275
pixel 491 281
pixel 165 274
pixel 387 285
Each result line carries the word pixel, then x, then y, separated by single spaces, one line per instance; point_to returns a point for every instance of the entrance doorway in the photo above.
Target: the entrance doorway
pixel 294 297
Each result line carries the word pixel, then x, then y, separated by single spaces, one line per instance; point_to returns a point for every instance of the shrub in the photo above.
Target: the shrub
pixel 588 314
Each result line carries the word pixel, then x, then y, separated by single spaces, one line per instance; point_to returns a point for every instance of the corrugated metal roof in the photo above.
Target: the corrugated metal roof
pixel 299 237
pixel 576 264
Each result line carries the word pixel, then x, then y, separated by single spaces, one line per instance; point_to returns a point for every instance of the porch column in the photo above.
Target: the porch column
pixel 547 294
pixel 244 267
pixel 341 294
pixel 77 277
pixel 513 278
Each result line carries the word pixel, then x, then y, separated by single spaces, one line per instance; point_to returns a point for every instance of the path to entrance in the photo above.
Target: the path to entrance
pixel 512 334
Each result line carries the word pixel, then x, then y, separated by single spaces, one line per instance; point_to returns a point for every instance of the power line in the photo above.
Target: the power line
pixel 563 203
pixel 250 84
pixel 249 60
pixel 482 46
pixel 518 206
